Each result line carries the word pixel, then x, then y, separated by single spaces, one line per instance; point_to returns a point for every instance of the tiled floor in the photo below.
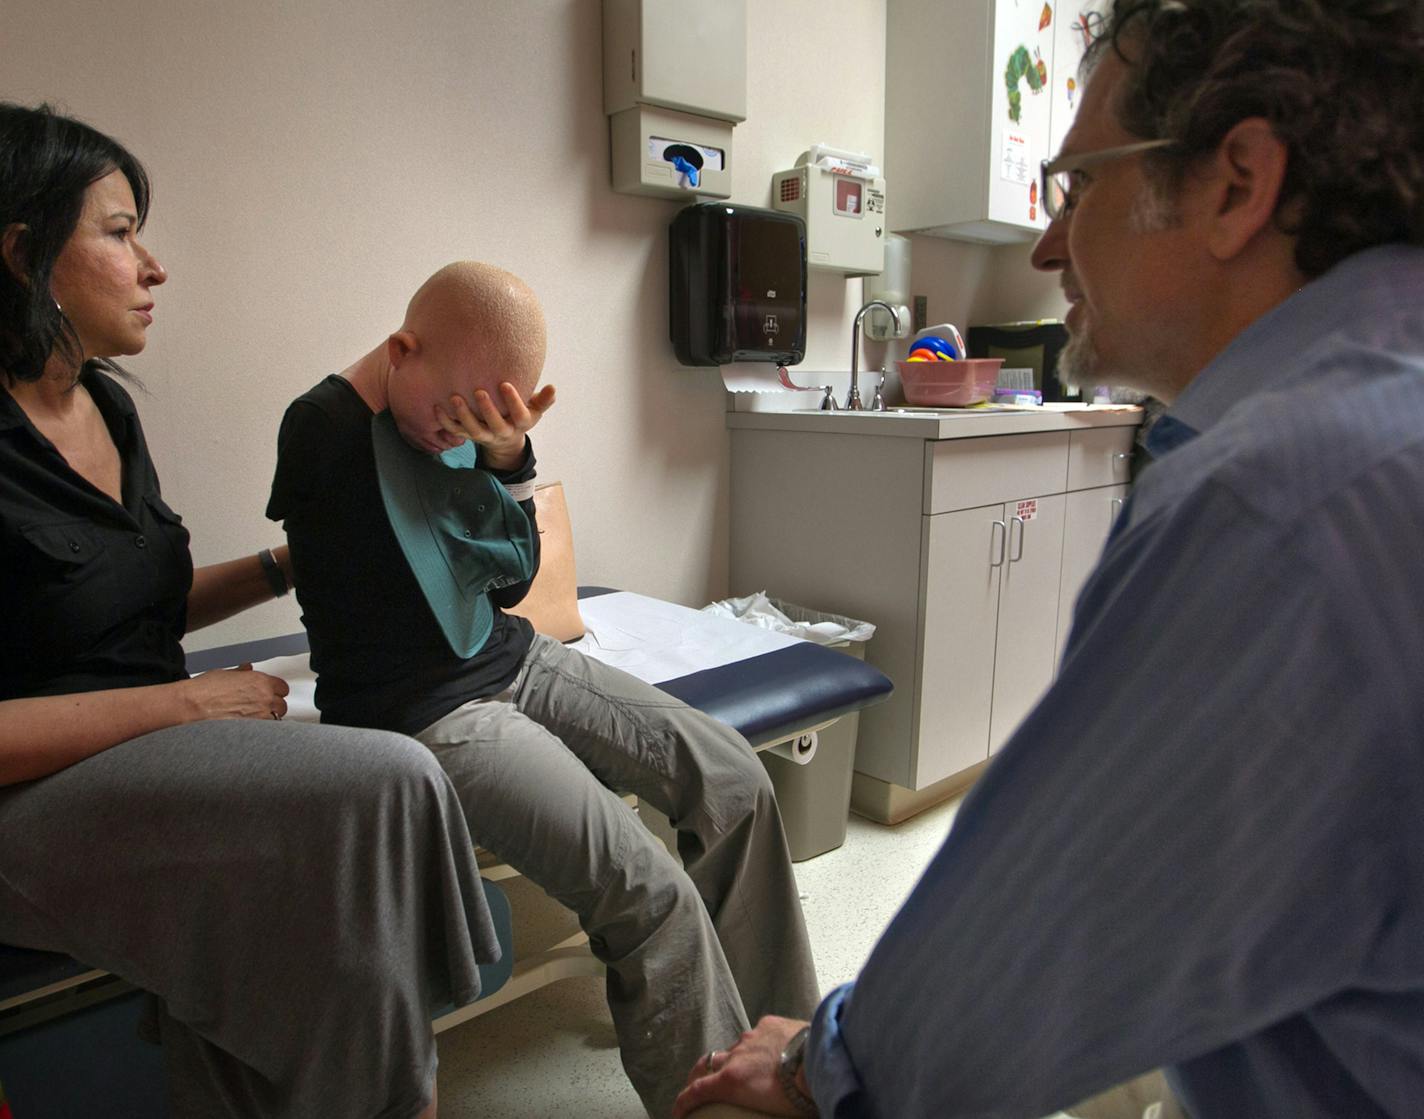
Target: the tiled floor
pixel 552 1053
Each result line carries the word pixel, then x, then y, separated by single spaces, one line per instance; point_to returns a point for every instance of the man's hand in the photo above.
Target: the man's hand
pixel 745 1074
pixel 499 432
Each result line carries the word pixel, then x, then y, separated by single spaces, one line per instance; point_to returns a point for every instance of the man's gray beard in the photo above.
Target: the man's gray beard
pixel 1077 362
pixel 1080 368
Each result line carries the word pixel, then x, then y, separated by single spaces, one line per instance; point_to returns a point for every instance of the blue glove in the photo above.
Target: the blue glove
pixel 685 168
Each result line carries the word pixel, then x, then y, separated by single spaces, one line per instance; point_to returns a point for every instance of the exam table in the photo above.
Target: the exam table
pixel 67 1031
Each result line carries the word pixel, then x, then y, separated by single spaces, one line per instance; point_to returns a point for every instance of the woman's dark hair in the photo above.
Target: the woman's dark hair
pixel 1341 83
pixel 47 163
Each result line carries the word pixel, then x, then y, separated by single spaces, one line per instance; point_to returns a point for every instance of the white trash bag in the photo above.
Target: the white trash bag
pixel 797 621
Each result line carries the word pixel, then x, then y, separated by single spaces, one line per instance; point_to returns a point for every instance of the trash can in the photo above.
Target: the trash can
pixel 814 796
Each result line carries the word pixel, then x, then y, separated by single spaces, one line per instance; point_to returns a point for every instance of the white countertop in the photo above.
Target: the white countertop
pixel 944 423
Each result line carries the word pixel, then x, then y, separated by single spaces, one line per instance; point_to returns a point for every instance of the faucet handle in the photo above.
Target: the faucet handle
pixel 828 402
pixel 878 403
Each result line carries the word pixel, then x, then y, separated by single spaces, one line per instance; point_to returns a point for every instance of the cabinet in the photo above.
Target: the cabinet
pixel 992 580
pixel 977 93
pixel 966 553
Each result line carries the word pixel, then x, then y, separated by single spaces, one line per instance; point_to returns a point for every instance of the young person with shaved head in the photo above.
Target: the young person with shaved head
pixel 406 485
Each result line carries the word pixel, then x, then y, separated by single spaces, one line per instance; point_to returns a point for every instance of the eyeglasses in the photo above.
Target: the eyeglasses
pixel 1061 178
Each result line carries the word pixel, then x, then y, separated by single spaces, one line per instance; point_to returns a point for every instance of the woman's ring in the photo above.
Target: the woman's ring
pixel 711 1059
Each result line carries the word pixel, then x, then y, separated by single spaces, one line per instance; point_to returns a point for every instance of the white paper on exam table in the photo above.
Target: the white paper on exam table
pixel 657 641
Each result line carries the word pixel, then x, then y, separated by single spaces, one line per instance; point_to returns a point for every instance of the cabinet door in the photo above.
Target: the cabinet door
pixel 990 470
pixel 1100 456
pixel 1026 652
pixel 1074 24
pixel 1021 104
pixel 964 553
pixel 1089 519
pixel 989 81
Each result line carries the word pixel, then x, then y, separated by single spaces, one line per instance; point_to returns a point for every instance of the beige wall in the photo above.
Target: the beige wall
pixel 970 284
pixel 314 160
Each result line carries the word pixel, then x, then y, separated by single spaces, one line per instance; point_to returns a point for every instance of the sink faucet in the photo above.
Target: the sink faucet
pixel 853 403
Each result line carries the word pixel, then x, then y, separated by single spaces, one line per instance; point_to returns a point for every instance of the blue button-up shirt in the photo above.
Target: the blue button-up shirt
pixel 1204 849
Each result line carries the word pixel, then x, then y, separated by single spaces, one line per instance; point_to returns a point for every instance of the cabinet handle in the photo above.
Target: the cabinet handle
pixel 1114 508
pixel 1122 459
pixel 1003 531
pixel 1019 554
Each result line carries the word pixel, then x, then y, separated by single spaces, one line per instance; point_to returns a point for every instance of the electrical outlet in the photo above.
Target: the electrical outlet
pixel 922 313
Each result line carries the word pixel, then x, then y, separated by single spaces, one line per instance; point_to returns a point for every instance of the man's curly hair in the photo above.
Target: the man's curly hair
pixel 1341 82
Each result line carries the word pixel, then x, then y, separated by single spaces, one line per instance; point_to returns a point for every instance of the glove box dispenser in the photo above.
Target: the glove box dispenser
pixel 737 285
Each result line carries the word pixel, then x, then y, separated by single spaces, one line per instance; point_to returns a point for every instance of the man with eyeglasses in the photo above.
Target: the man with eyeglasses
pixel 1204 849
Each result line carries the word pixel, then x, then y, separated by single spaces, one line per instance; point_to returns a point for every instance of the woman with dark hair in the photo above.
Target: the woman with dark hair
pixel 293 895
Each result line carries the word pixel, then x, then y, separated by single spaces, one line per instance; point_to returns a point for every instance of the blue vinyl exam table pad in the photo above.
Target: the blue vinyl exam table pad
pixel 769 686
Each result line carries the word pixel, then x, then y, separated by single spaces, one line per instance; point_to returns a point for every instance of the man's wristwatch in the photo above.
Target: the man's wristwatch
pixel 792 1058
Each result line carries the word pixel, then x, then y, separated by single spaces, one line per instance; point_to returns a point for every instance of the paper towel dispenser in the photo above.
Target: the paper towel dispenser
pixel 737 285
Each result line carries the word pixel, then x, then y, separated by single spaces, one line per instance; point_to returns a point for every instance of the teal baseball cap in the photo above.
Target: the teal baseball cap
pixel 462 533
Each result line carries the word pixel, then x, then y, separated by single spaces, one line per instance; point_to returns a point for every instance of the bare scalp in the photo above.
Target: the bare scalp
pixel 479 325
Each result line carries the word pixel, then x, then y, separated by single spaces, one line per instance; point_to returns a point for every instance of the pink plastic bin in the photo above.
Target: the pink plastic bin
pixel 952 384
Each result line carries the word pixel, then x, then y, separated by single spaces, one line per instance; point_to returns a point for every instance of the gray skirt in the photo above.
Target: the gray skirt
pixel 298 897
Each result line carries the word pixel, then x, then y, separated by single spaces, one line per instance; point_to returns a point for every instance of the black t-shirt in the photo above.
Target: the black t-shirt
pixel 93 594
pixel 380 656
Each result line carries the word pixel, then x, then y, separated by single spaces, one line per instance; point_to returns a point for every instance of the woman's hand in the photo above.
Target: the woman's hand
pixel 40 735
pixel 500 433
pixel 745 1074
pixel 235 693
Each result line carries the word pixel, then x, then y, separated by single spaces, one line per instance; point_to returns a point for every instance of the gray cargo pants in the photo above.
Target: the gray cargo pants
pixel 691 954
pixel 299 898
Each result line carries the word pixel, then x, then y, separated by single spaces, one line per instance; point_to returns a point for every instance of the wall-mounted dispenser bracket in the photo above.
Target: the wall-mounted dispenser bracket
pixel 670 154
pixel 892 286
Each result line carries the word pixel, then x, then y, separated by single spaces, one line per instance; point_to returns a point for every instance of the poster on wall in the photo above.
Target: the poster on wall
pixel 1038 45
pixel 1023 60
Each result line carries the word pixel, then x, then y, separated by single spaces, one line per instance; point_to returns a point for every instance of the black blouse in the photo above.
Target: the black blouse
pixel 93 594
